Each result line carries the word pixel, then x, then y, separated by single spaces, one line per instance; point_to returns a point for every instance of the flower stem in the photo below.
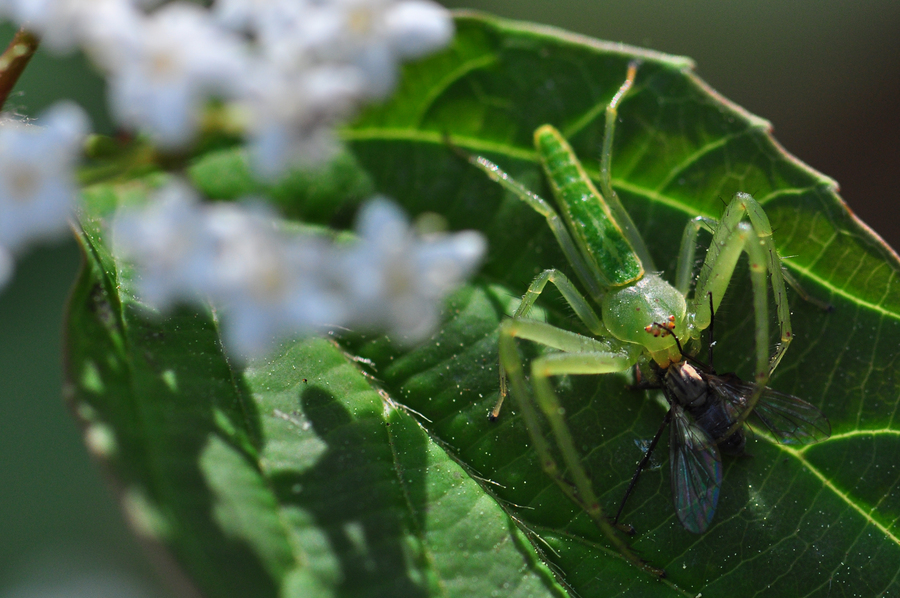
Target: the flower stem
pixel 14 60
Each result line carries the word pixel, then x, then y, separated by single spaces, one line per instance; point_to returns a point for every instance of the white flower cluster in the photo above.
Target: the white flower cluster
pixel 270 284
pixel 37 186
pixel 287 71
pixel 292 68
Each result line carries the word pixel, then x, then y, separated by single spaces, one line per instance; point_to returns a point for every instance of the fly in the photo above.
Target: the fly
pixel 703 409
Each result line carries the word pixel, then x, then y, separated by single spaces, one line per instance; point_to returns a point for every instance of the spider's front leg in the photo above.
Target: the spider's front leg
pixel 733 235
pixel 578 355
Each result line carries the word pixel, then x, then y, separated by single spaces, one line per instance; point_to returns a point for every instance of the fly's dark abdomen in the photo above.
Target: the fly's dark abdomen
pixel 715 420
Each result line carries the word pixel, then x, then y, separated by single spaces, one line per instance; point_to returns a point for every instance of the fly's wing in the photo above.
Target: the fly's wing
pixel 696 472
pixel 791 420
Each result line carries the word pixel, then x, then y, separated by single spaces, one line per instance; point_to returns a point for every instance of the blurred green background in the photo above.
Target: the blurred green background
pixel 825 73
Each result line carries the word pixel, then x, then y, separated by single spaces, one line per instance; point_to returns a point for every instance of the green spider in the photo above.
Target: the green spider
pixel 614 266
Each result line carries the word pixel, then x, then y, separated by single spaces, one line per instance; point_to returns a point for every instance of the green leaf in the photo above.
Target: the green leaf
pixel 353 466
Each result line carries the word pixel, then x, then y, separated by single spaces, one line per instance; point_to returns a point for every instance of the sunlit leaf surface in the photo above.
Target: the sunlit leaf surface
pixel 353 466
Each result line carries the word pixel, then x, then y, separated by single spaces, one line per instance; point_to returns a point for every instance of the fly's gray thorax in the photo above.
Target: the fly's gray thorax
pixel 688 388
pixel 694 394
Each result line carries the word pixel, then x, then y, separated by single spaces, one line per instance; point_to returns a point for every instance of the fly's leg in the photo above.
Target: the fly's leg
pixel 575 300
pixel 581 355
pixel 641 466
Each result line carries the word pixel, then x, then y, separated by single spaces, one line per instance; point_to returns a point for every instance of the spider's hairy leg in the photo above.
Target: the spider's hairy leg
pixel 728 241
pixel 615 205
pixel 580 355
pixel 587 275
pixel 732 236
pixel 575 300
pixel 688 251
pixel 804 294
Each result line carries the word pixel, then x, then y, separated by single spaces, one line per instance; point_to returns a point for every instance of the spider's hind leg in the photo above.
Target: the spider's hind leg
pixel 578 355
